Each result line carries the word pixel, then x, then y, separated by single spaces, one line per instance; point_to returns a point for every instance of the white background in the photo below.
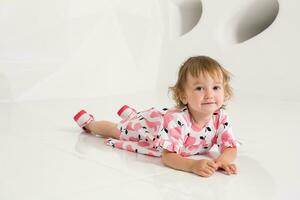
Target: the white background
pixel 57 57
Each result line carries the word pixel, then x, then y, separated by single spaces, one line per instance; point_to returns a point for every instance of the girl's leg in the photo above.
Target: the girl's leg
pixel 103 128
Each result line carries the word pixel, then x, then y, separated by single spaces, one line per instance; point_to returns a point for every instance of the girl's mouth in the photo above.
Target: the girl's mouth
pixel 208 103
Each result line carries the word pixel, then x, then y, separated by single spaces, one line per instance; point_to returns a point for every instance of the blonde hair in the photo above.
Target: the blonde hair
pixel 196 66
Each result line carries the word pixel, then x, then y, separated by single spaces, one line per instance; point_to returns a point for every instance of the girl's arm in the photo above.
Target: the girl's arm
pixel 224 161
pixel 202 167
pixel 176 161
pixel 228 155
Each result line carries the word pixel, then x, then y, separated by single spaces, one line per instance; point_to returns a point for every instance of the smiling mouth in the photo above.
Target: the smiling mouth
pixel 208 103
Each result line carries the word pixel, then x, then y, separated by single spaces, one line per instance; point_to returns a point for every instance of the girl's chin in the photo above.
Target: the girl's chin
pixel 206 111
pixel 209 110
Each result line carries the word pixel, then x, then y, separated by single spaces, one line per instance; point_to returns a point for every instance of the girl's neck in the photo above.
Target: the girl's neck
pixel 200 120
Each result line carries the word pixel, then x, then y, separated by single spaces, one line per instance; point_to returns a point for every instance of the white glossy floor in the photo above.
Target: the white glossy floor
pixel 44 155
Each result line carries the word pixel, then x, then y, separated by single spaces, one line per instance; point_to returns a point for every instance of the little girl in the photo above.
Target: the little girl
pixel 192 127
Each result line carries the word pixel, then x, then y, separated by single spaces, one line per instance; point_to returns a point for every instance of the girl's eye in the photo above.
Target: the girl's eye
pixel 199 88
pixel 217 87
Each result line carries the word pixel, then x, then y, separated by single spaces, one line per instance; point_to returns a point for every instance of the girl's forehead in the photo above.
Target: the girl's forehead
pixel 204 77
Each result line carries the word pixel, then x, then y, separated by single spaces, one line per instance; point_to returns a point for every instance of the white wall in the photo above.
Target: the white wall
pixel 78 49
pixel 257 40
pixel 85 49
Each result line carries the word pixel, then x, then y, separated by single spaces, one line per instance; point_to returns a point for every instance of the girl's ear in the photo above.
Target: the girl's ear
pixel 183 99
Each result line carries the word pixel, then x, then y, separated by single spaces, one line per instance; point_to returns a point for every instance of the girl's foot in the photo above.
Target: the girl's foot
pixel 82 118
pixel 126 111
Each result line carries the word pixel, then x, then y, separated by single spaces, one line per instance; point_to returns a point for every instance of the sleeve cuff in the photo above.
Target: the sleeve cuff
pixel 171 147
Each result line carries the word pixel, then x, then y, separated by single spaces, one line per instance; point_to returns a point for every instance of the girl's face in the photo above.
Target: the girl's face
pixel 204 94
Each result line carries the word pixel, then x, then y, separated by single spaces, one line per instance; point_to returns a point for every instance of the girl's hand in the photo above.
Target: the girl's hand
pixel 204 167
pixel 228 168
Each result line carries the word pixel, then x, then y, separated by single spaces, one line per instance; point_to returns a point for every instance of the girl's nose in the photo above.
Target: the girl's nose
pixel 208 97
pixel 208 94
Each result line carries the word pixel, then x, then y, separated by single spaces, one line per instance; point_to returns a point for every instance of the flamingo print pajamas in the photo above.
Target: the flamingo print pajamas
pixel 149 132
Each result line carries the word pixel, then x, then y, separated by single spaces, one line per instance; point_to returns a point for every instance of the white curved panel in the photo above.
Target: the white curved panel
pixel 250 20
pixel 183 15
pixel 262 57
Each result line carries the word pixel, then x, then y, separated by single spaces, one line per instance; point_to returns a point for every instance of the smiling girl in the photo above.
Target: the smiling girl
pixel 193 126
